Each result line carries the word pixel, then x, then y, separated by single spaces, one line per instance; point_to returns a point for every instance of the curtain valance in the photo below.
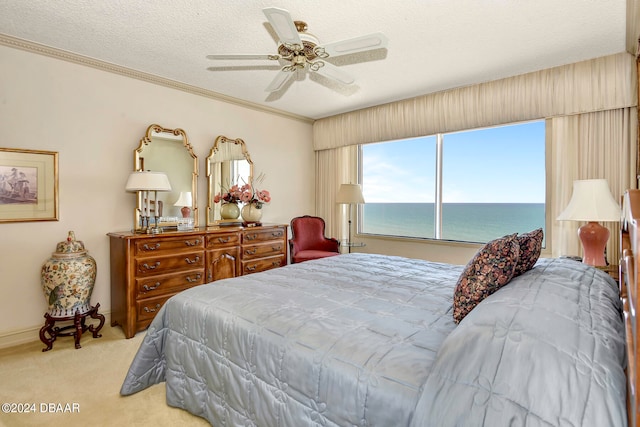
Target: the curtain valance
pixel 599 84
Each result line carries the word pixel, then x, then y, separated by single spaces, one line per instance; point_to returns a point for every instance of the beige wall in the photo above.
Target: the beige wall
pixel 94 120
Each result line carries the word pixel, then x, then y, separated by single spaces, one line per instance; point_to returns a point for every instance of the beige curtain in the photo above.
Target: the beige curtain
pixel 599 84
pixel 590 146
pixel 335 167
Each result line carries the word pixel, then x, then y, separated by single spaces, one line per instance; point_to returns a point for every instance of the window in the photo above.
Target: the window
pixel 471 186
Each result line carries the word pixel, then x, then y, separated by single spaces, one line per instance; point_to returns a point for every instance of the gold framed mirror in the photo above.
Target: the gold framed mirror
pixel 169 151
pixel 228 163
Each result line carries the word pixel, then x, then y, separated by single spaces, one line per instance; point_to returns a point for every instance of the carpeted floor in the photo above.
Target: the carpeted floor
pixel 84 382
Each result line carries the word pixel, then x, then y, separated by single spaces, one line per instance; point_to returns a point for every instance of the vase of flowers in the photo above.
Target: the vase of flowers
pixel 253 199
pixel 229 199
pixel 229 211
pixel 251 213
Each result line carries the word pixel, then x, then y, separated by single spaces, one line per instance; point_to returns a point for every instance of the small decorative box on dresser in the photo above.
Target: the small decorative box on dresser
pixel 148 269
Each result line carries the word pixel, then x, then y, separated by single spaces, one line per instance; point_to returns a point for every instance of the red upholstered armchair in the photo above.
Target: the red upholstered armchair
pixel 308 240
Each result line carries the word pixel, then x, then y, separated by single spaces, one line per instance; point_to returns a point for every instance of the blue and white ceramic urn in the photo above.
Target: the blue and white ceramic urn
pixel 67 279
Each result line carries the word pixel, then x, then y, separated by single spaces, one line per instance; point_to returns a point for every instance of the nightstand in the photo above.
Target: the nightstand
pixel 611 269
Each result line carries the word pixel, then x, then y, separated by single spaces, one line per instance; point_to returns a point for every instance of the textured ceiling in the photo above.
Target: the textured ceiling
pixel 433 44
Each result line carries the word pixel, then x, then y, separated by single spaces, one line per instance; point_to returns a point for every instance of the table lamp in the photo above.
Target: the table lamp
pixel 350 194
pixel 592 201
pixel 146 182
pixel 185 201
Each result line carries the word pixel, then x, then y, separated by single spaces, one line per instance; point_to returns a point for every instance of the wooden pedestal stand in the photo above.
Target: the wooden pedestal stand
pixel 49 333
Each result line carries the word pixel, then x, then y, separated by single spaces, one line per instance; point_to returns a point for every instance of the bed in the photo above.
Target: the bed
pixel 370 340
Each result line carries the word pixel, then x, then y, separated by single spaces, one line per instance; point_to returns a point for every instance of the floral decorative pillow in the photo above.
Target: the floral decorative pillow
pixel 491 268
pixel 530 247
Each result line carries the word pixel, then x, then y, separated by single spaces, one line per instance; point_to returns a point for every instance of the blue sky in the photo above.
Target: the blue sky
pixel 493 165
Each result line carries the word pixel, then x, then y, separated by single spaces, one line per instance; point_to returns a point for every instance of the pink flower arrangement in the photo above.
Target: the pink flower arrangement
pixel 251 195
pixel 246 193
pixel 232 195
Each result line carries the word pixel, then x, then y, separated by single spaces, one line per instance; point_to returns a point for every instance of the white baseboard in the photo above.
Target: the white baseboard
pixel 29 335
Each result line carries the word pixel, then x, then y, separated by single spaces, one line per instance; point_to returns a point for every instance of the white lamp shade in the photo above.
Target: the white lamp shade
pixel 147 180
pixel 349 193
pixel 184 199
pixel 591 201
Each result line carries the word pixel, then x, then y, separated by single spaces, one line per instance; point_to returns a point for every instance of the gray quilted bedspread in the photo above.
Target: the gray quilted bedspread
pixel 369 340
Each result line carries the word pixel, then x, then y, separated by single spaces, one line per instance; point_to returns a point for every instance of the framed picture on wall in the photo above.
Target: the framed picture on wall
pixel 28 185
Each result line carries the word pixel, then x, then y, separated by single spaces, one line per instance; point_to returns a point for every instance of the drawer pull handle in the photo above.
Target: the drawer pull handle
pixel 149 248
pixel 190 280
pixel 189 261
pixel 251 251
pixel 152 287
pixel 276 263
pixel 224 239
pixel 277 234
pixel 152 310
pixel 252 236
pixel 151 267
pixel 276 248
pixel 251 267
pixel 194 243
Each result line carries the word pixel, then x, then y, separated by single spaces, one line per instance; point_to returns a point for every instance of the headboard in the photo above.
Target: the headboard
pixel 629 247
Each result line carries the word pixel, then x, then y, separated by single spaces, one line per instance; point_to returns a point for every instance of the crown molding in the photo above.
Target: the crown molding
pixel 64 55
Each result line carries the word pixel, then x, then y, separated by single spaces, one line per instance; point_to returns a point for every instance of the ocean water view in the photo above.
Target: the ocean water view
pixel 467 222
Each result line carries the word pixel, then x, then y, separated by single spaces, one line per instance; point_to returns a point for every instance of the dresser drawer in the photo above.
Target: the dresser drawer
pixel 262 235
pixel 263 264
pixel 149 307
pixel 262 250
pixel 163 284
pixel 222 239
pixel 168 245
pixel 169 263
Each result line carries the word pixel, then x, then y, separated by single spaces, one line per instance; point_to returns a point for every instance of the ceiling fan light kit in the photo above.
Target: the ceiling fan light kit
pixel 303 51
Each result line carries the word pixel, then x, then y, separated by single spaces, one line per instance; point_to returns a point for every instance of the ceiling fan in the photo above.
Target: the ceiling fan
pixel 299 50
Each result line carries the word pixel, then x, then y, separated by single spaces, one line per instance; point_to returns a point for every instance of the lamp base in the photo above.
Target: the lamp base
pixel 594 239
pixel 186 212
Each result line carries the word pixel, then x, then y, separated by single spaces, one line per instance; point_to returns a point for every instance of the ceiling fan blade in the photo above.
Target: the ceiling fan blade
pixel 334 73
pixel 283 25
pixel 245 67
pixel 244 56
pixel 279 80
pixel 356 44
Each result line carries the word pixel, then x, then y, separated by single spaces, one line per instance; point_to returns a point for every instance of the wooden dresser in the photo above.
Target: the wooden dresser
pixel 147 269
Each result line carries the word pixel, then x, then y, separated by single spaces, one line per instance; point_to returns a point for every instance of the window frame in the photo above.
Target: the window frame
pixel 439 191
